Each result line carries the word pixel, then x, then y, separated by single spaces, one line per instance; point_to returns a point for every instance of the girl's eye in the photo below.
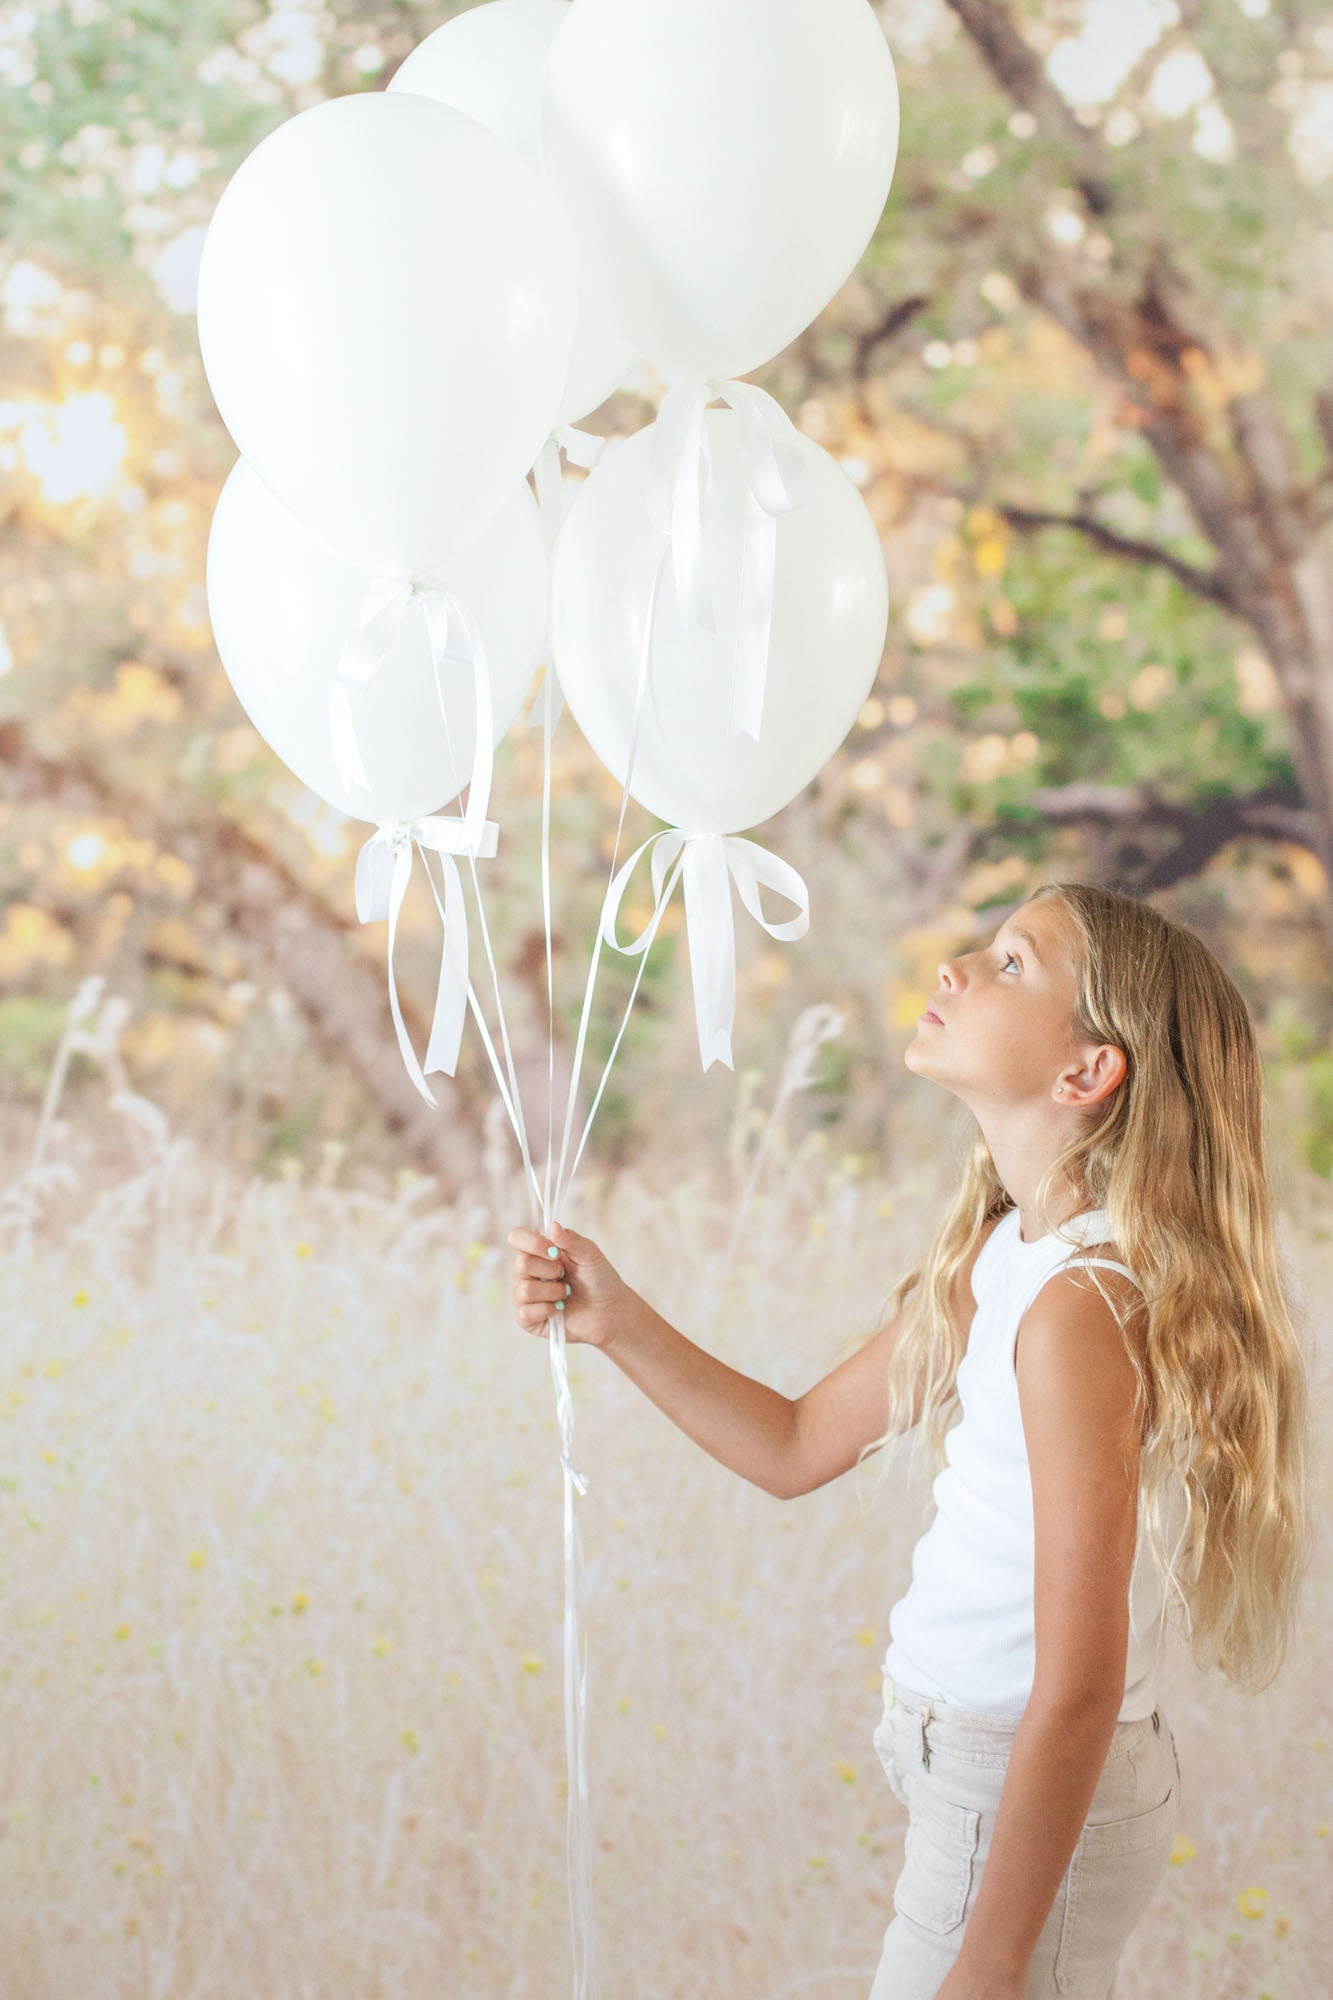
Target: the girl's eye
pixel 1011 960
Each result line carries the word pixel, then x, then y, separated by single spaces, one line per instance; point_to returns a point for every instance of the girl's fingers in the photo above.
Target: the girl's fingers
pixel 538 1267
pixel 532 1290
pixel 535 1245
pixel 533 1317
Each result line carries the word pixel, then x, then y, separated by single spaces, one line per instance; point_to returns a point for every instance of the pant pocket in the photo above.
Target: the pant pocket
pixel 1114 1873
pixel 939 1860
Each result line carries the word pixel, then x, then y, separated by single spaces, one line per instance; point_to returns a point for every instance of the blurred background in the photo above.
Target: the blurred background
pixel 269 1508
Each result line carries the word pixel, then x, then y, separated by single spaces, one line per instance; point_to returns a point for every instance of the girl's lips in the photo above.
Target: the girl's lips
pixel 931 1015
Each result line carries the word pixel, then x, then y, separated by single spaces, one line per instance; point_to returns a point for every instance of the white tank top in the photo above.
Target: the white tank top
pixel 964 1631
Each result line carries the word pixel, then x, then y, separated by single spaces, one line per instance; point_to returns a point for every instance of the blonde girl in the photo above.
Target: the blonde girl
pixel 1099 1350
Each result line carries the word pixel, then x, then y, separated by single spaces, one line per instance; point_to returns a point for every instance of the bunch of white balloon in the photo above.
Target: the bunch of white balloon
pixel 407 299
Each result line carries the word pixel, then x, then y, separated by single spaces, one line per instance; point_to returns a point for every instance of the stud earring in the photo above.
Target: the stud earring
pixel 1059 1089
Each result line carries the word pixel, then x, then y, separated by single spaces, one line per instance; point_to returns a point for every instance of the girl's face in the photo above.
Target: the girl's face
pixel 1000 1029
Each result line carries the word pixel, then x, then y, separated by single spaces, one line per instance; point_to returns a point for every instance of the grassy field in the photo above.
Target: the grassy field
pixel 280 1670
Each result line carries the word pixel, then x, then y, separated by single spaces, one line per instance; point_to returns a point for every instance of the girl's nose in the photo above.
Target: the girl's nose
pixel 946 973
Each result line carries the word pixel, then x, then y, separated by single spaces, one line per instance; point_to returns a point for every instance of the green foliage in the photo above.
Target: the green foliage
pixel 30 1031
pixel 1190 741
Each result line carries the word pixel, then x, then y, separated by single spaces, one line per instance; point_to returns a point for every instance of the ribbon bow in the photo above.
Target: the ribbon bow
pixel 454 638
pixel 709 860
pixel 382 870
pixel 775 483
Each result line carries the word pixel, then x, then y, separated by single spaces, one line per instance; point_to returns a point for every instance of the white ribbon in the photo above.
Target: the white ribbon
pixel 709 860
pixel 382 870
pixel 775 483
pixel 455 639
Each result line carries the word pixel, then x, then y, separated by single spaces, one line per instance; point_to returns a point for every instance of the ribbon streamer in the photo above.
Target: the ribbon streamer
pixel 710 859
pixel 383 868
pixel 775 483
pixel 455 639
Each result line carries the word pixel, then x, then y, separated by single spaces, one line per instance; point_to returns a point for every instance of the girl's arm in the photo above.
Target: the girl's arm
pixel 785 1445
pixel 744 1424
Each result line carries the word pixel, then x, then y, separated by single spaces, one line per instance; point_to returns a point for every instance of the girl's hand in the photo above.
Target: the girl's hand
pixel 566 1273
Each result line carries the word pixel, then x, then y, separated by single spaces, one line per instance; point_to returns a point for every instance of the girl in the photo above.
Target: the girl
pixel 1102 1309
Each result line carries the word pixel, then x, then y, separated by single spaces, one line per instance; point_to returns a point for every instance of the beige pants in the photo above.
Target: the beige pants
pixel 947 1765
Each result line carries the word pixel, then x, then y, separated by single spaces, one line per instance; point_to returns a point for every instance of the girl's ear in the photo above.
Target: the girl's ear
pixel 1103 1072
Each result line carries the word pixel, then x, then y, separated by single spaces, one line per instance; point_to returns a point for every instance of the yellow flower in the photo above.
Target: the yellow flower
pixel 304 1250
pixel 475 1250
pixel 53 1368
pixel 623 1704
pixel 80 1297
pixel 846 1771
pixel 1321 1831
pixel 532 1663
pixel 122 1631
pixel 866 1636
pixel 382 1646
pixel 1182 1849
pixel 410 1739
pixel 314 1668
pixel 197 1558
pixel 819 1861
pixel 51 1457
pixel 300 1601
pixel 1252 1902
pixel 659 1730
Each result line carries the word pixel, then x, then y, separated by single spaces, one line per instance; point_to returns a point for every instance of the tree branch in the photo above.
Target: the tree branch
pixel 1020 72
pixel 1203 582
pixel 1150 842
pixel 891 323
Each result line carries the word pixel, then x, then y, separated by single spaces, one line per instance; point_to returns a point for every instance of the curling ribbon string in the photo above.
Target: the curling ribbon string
pixel 382 870
pixel 775 483
pixel 578 1840
pixel 645 661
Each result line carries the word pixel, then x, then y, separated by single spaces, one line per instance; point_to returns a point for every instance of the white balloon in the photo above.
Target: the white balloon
pixel 489 62
pixel 385 322
pixel 830 615
pixel 722 165
pixel 284 603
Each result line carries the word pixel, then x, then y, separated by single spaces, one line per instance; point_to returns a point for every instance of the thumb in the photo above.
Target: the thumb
pixel 581 1248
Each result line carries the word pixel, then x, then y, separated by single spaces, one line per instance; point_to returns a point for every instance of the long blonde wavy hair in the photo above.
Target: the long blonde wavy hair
pixel 1178 1156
